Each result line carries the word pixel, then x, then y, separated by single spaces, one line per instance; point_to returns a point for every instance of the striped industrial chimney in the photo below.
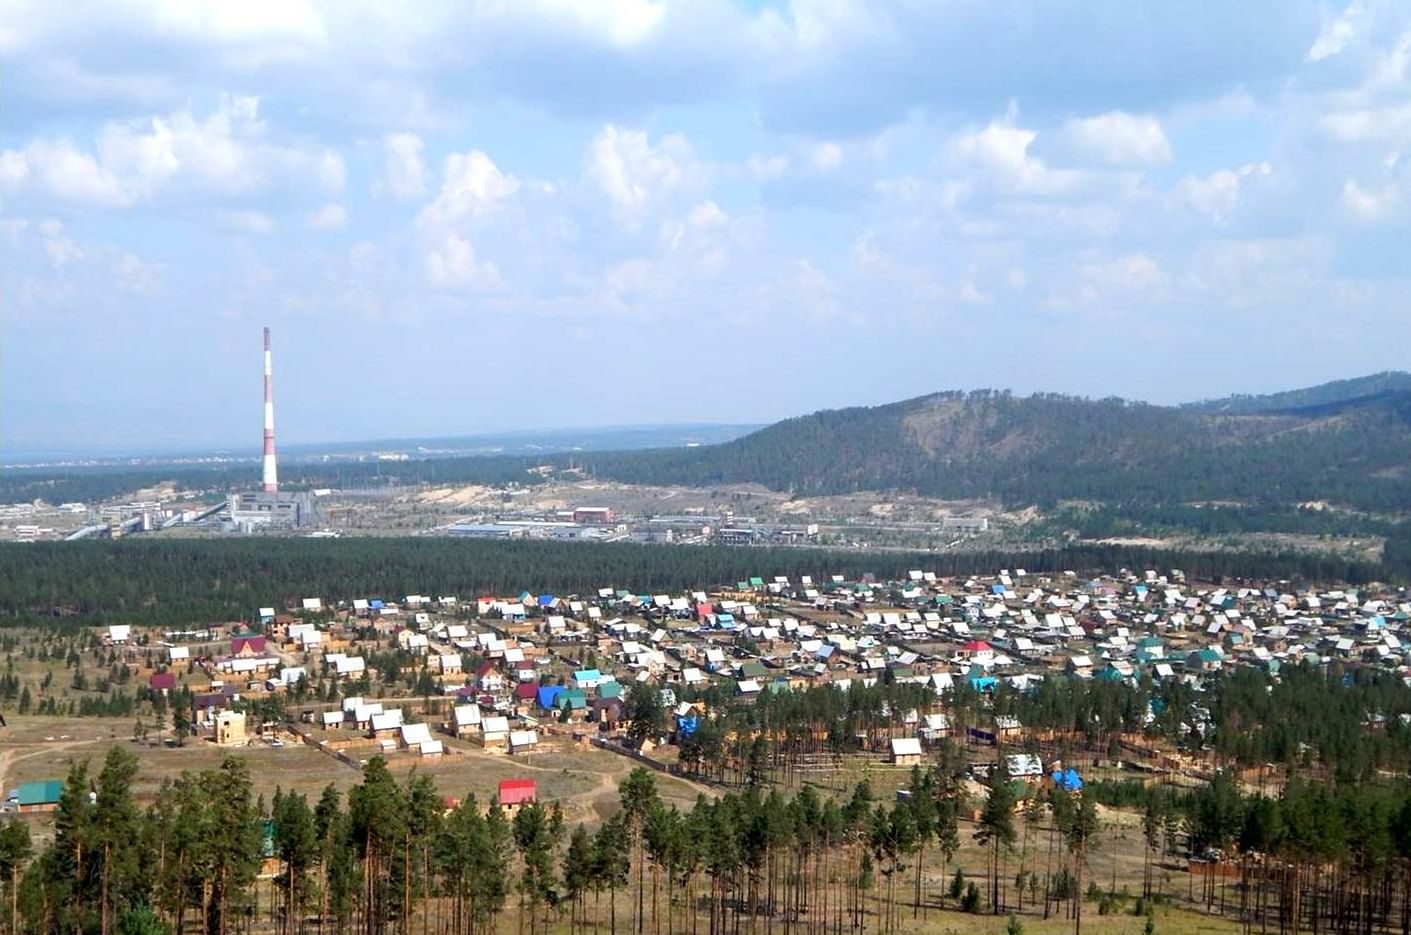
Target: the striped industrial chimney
pixel 271 474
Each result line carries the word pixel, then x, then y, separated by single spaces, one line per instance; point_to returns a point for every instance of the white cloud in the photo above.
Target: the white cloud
pixel 246 221
pixel 332 172
pixel 1337 32
pixel 1368 125
pixel 1119 278
pixel 766 168
pixel 134 275
pixel 1117 139
pixel 1134 271
pixel 254 33
pixel 827 156
pixel 622 22
pixel 1218 193
pixel 970 294
pixel 330 217
pixel 403 171
pixel 1001 152
pixel 67 174
pixel 14 169
pixel 453 264
pixel 1370 204
pixel 471 186
pixel 224 153
pixel 704 232
pixel 632 171
pixel 60 250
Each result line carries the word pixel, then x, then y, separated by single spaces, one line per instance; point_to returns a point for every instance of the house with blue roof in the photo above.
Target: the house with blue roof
pixel 548 696
pixel 589 678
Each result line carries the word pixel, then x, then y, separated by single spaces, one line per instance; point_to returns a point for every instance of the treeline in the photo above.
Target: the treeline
pixel 1042 449
pixel 1334 393
pixel 1318 856
pixel 1352 723
pixel 397 857
pixel 1156 518
pixel 779 734
pixel 178 582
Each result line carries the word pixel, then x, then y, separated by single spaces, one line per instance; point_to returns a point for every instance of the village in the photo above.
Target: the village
pixel 424 679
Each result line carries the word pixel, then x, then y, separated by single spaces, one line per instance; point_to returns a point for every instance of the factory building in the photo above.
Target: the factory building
pixel 254 510
pixel 269 507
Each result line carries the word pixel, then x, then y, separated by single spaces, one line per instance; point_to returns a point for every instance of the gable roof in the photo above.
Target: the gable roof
pixel 43 792
pixel 517 791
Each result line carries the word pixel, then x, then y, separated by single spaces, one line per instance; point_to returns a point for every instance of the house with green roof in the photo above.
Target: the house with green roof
pixel 41 796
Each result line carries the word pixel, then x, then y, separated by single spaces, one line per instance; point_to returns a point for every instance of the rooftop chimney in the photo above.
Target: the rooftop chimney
pixel 271 475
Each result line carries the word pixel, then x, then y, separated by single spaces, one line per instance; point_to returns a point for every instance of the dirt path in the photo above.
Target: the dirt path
pixel 12 755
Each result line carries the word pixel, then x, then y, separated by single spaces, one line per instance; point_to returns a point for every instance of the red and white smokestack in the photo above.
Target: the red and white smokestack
pixel 271 474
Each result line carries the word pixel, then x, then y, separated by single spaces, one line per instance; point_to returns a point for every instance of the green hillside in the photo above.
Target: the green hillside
pixel 1045 448
pixel 1338 391
pixel 1347 443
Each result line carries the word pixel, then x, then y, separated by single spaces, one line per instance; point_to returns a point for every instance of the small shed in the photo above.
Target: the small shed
pixel 906 751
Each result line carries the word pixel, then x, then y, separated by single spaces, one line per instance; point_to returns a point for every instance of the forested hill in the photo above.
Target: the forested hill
pixel 1045 448
pixel 1325 394
pixel 1347 443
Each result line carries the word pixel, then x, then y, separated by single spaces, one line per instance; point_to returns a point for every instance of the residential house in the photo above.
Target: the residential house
pixel 906 751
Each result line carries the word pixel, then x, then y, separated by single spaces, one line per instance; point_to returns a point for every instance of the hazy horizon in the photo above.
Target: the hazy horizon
pixel 483 220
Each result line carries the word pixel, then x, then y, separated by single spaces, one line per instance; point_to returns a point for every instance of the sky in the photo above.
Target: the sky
pixel 519 214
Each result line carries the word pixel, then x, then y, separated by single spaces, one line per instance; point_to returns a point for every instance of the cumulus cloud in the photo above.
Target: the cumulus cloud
pixel 226 152
pixel 1218 193
pixel 733 154
pixel 1116 279
pixel 1339 31
pixel 1116 139
pixel 1389 124
pixel 246 221
pixel 60 250
pixel 404 171
pixel 330 217
pixel 453 263
pixel 632 171
pixel 1000 153
pixel 471 186
pixel 827 156
pixel 132 274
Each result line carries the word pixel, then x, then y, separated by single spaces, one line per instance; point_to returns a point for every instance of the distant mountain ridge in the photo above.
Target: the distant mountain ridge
pixel 1338 391
pixel 1348 442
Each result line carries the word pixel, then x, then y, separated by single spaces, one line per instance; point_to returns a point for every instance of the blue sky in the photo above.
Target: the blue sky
pixel 542 213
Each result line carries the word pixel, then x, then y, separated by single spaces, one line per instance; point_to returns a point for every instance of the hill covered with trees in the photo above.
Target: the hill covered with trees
pixel 1044 448
pixel 1346 443
pixel 1338 391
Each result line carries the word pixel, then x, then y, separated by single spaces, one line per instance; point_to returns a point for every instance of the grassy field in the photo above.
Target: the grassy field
pixel 583 780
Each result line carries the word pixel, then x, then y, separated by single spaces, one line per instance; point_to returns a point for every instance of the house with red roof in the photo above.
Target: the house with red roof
pixel 163 682
pixel 978 651
pixel 247 646
pixel 516 792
